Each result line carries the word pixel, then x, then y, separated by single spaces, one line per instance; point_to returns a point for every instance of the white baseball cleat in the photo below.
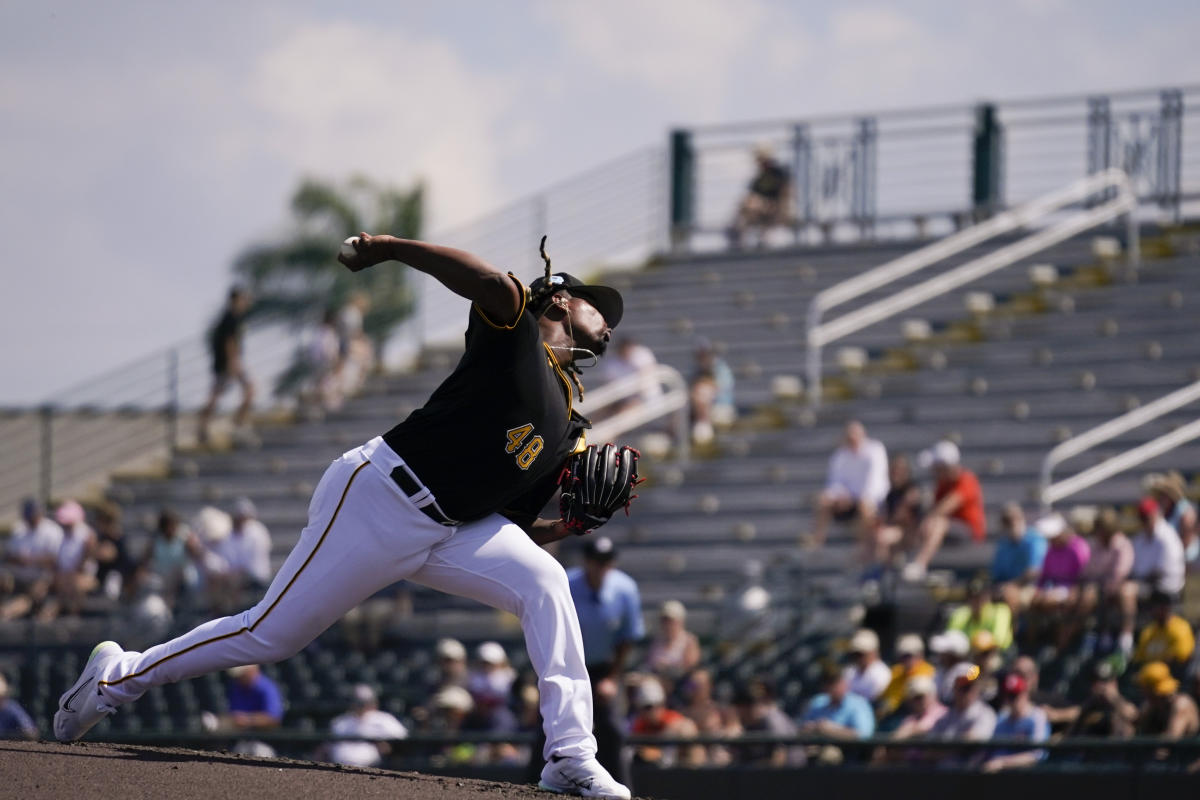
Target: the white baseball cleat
pixel 583 777
pixel 82 706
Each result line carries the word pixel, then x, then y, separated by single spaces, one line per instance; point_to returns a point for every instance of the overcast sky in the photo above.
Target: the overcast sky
pixel 143 144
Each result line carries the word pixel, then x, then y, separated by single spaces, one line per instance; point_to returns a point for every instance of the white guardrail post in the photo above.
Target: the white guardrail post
pixel 819 334
pixel 1051 493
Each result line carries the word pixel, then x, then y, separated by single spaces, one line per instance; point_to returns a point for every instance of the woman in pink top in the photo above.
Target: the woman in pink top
pixel 1058 586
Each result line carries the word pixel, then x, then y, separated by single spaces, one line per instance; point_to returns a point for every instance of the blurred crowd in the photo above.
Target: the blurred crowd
pixel 78 560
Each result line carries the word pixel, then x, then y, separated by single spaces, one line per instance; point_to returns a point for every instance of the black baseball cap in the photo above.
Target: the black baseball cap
pixel 600 548
pixel 606 299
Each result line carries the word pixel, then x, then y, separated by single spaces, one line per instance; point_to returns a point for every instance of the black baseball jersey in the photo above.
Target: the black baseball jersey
pixel 495 434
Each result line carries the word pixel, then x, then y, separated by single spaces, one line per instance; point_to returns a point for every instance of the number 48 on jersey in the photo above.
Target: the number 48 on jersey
pixel 528 452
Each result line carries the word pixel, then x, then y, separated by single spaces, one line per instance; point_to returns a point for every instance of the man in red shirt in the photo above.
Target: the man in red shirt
pixel 653 718
pixel 957 505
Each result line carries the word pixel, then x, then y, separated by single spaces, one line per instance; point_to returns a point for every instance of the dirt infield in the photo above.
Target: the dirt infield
pixel 85 770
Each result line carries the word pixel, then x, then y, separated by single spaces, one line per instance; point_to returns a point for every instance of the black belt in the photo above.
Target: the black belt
pixel 412 487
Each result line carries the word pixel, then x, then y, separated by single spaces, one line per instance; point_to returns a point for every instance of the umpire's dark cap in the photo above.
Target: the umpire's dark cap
pixel 606 299
pixel 600 548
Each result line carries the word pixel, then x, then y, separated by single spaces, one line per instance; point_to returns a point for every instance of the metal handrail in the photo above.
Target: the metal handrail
pixel 1050 493
pixel 819 334
pixel 673 401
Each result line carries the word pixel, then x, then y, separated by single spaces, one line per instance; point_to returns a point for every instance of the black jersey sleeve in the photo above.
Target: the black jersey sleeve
pixel 500 325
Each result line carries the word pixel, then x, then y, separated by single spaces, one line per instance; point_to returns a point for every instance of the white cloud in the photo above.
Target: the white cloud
pixel 345 98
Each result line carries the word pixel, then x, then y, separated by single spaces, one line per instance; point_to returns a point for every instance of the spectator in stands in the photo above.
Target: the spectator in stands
pixel 1105 713
pixel 1171 493
pixel 903 507
pixel 758 712
pixel 75 567
pixel 30 560
pixel 1021 720
pixel 15 722
pixel 225 346
pixel 1166 712
pixel 451 706
pixel 366 720
pixel 675 651
pixel 767 201
pixel 323 387
pixel 1058 585
pixel 490 684
pixel 1167 637
pixel 451 663
pixel 245 554
pixel 951 649
pixel 1105 574
pixel 356 354
pixel 924 709
pixel 911 663
pixel 958 506
pixel 169 562
pixel 968 718
pixel 711 393
pixel 634 359
pixel 981 613
pixel 115 565
pixel 1017 561
pixel 609 608
pixel 856 484
pixel 652 718
pixel 1158 565
pixel 838 712
pixel 712 718
pixel 255 702
pixel 867 674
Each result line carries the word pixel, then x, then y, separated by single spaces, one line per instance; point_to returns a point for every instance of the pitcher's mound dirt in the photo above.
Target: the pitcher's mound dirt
pixel 85 770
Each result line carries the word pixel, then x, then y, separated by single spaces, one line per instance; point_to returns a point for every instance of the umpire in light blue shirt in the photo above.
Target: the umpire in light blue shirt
pixel 610 616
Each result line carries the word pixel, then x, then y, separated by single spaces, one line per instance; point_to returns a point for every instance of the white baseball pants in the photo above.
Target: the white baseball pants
pixel 364 534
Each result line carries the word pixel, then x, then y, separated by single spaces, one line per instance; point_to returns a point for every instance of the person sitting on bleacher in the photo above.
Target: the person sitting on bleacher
pixel 868 674
pixel 675 650
pixel 968 718
pixel 651 717
pixel 856 484
pixel 903 508
pixel 981 613
pixel 1021 719
pixel 767 201
pixel 1105 713
pixel 29 561
pixel 1166 712
pixel 1017 561
pixel 1058 584
pixel 1167 637
pixel 75 569
pixel 1104 575
pixel 1158 565
pixel 1171 493
pixel 838 712
pixel 958 506
pixel 364 719
pixel 910 664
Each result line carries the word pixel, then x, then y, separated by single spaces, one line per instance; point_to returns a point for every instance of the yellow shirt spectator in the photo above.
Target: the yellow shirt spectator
pixel 1171 641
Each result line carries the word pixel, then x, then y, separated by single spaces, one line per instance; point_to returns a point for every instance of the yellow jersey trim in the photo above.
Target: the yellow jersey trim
pixel 524 299
pixel 250 628
pixel 580 445
pixel 566 381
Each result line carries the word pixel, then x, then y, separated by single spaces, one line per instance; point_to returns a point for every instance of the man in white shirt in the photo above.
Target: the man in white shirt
pixel 868 674
pixel 30 560
pixel 366 720
pixel 633 358
pixel 245 554
pixel 1158 566
pixel 856 485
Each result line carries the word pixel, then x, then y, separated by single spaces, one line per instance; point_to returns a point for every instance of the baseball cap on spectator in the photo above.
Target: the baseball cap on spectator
pixel 600 548
pixel 944 452
pixel 451 650
pixel 864 641
pixel 30 508
pixel 1051 526
pixel 920 686
pixel 1153 675
pixel 1108 669
pixel 910 644
pixel 1015 684
pixel 673 609
pixel 69 513
pixel 650 693
pixel 491 653
pixel 953 642
pixel 964 674
pixel 244 507
pixel 982 641
pixel 364 695
pixel 1148 507
pixel 454 698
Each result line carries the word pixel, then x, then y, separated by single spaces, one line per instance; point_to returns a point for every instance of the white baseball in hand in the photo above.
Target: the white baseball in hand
pixel 347 250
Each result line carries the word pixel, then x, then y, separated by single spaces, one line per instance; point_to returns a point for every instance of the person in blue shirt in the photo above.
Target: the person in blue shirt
pixel 838 713
pixel 254 700
pixel 1018 558
pixel 15 722
pixel 609 608
pixel 1022 721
